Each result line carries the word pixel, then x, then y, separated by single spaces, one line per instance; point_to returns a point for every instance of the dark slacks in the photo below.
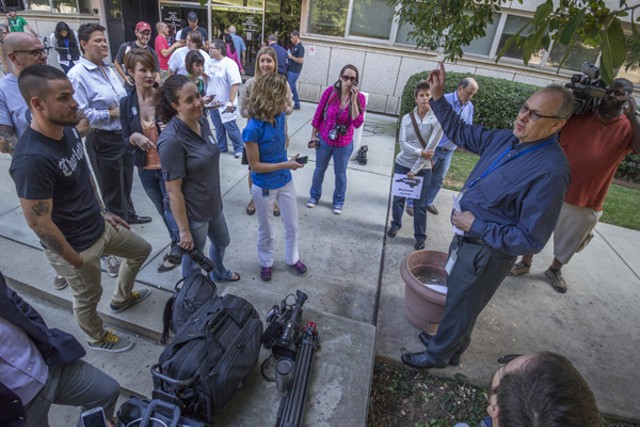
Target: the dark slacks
pixel 112 162
pixel 474 279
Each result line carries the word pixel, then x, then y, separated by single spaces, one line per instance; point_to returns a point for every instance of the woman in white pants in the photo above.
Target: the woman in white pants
pixel 264 140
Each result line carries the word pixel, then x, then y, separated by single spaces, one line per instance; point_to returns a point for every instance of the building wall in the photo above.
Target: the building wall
pixel 384 71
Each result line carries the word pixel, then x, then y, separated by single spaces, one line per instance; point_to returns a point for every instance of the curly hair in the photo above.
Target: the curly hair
pixel 167 95
pixel 268 97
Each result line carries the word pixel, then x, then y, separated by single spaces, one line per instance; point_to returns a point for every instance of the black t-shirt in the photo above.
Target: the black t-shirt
pixel 43 168
pixel 297 51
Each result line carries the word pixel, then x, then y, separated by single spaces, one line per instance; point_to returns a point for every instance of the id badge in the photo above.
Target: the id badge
pixel 451 262
pixel 68 57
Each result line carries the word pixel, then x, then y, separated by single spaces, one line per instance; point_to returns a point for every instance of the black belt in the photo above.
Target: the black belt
pixel 472 240
pixel 106 132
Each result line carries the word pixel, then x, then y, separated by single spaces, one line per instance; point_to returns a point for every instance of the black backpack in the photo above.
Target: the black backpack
pixel 361 157
pixel 208 359
pixel 189 295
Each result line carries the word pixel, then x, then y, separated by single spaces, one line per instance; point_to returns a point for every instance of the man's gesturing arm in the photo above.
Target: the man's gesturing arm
pixel 38 216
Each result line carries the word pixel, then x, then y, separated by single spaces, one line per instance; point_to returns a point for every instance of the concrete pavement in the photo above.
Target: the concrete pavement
pixel 356 295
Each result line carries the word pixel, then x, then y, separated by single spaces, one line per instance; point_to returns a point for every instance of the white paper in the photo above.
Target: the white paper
pixel 438 288
pixel 457 208
pixel 405 187
pixel 227 116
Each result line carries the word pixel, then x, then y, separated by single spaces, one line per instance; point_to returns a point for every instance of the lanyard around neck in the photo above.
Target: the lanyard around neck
pixel 496 163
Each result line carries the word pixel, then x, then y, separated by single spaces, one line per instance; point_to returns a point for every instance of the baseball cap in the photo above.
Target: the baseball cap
pixel 192 16
pixel 143 26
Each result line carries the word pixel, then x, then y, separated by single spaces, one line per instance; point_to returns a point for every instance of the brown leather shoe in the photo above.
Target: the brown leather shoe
pixel 432 210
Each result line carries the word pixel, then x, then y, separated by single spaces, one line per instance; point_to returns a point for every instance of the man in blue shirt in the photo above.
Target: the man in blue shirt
pixel 296 58
pixel 238 43
pixel 460 100
pixel 508 206
pixel 281 54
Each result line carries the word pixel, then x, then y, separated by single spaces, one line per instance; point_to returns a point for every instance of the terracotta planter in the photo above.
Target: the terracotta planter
pixel 423 306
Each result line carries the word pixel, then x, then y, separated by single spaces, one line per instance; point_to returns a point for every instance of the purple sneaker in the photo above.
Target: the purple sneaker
pixel 300 267
pixel 265 273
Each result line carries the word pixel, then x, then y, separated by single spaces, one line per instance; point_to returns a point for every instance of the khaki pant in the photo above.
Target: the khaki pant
pixel 573 231
pixel 85 282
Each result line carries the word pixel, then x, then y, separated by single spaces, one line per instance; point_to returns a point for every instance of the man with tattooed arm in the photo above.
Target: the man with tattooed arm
pixel 59 203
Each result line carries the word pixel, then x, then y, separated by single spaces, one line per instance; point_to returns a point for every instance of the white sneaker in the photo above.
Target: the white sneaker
pixel 312 203
pixel 337 210
pixel 111 265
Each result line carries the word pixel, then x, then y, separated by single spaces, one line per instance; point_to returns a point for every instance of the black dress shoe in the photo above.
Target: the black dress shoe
pixel 139 219
pixel 419 245
pixel 425 338
pixel 392 232
pixel 421 360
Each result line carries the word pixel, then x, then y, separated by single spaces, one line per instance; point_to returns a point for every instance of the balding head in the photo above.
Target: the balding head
pixel 24 50
pixel 466 89
pixel 231 29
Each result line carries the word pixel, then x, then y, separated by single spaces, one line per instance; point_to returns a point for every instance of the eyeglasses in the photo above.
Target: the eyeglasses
pixel 535 116
pixel 348 78
pixel 34 52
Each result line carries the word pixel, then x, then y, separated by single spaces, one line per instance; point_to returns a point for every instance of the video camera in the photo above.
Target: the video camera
pixel 282 334
pixel 588 89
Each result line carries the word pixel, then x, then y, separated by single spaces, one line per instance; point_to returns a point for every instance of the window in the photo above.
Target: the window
pixel 371 18
pixel 512 25
pixel 65 6
pixel 482 46
pixel 577 56
pixel 328 17
pixel 403 34
pixel 39 5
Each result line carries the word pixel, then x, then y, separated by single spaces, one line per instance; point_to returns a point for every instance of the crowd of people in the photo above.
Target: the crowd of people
pixel 151 113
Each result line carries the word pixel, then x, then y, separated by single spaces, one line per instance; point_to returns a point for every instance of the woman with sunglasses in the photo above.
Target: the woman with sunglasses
pixel 340 111
pixel 266 63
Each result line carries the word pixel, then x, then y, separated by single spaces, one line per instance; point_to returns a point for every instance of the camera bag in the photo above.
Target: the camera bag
pixel 206 362
pixel 189 295
pixel 137 412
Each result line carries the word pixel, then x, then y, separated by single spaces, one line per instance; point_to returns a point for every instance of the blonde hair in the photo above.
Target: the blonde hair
pixel 267 50
pixel 268 97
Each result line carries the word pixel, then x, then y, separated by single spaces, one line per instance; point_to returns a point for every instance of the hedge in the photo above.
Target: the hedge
pixel 496 105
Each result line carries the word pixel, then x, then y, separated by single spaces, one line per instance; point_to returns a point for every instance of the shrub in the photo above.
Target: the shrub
pixel 629 169
pixel 496 103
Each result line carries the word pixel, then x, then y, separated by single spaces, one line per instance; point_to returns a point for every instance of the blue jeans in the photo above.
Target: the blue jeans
pixel 441 161
pixel 221 132
pixel 153 184
pixel 218 234
pixel 341 157
pixel 292 78
pixel 419 205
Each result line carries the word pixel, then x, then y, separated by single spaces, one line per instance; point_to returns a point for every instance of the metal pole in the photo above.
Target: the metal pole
pixel 264 14
pixel 209 20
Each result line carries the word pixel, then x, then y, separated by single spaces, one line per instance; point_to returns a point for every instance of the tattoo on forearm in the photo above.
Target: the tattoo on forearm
pixel 51 243
pixel 8 139
pixel 41 208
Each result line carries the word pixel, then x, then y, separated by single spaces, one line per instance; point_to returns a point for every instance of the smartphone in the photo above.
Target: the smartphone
pixel 302 160
pixel 93 418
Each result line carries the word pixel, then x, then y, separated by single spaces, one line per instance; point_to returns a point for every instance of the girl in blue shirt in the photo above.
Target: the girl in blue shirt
pixel 265 140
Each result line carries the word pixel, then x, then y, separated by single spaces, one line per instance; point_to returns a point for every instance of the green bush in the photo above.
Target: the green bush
pixel 496 103
pixel 629 169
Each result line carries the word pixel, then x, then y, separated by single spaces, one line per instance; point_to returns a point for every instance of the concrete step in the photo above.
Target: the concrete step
pixel 341 373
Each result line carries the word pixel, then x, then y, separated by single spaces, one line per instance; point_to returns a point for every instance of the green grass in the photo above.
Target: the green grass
pixel 621 206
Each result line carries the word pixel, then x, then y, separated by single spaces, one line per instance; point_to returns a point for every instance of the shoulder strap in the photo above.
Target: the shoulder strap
pixel 417 129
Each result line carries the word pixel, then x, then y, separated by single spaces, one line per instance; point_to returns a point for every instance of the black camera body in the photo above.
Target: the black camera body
pixel 338 129
pixel 588 89
pixel 283 332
